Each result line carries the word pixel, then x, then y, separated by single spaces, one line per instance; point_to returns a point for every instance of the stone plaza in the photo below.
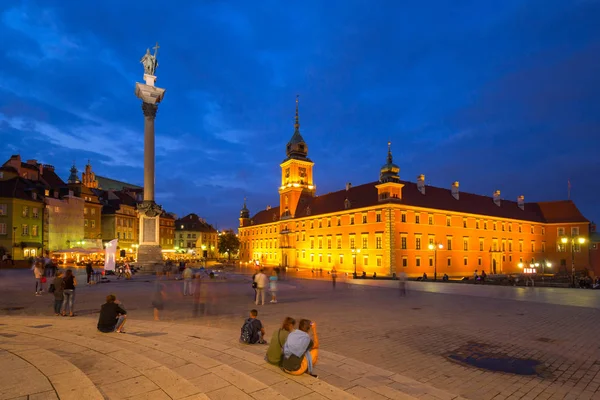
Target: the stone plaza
pixel 441 341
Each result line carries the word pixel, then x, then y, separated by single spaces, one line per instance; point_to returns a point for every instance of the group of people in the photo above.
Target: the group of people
pixel 260 282
pixel 295 351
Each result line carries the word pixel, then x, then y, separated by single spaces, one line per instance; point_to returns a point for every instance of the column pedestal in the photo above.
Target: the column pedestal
pixel 149 253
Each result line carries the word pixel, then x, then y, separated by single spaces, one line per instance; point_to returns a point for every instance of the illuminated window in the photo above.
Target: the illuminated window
pixel 403 242
pixel 466 244
pixel 365 242
pixel 341 258
pixel 378 242
pixel 418 243
pixel 329 243
pixel 329 258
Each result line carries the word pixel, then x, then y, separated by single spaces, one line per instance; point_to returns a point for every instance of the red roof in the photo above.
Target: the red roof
pixel 51 178
pixel 434 198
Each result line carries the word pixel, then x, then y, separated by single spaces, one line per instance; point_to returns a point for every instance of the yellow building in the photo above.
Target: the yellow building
pixel 391 226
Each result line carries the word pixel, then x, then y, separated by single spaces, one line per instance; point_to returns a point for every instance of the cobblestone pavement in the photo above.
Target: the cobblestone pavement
pixel 440 339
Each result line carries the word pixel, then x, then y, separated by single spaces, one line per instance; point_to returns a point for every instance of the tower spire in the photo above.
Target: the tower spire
pixel 297 119
pixel 389 156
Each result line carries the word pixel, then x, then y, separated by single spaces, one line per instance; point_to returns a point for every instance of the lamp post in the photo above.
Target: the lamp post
pixel 573 239
pixel 354 253
pixel 14 242
pixel 435 248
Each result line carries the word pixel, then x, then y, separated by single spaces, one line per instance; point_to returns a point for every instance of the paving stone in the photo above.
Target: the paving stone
pixel 209 382
pixel 228 393
pixel 131 387
pixel 49 395
pixel 291 389
pixel 238 379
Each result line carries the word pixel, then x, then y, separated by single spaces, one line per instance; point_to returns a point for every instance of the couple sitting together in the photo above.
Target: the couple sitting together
pixel 293 349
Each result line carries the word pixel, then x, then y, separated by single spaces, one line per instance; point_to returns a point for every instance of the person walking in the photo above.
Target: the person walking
pixel 187 275
pixel 273 286
pixel 402 283
pixel 333 276
pixel 261 283
pixel 57 289
pixel 158 298
pixel 89 270
pixel 38 273
pixel 69 285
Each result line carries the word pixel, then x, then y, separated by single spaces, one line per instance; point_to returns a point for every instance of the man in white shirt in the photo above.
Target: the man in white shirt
pixel 261 283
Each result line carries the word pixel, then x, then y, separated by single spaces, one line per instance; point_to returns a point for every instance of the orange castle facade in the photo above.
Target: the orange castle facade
pixel 392 226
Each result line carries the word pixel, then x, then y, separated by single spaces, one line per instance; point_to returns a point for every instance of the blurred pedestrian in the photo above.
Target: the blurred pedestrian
pixel 158 298
pixel 38 274
pixel 188 274
pixel 56 288
pixel 273 286
pixel 333 276
pixel 402 283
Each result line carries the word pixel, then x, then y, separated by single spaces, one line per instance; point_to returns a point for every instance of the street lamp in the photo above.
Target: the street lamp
pixel 354 253
pixel 14 242
pixel 435 248
pixel 580 240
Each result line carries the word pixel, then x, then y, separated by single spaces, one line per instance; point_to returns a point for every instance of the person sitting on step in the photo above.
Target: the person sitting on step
pixel 112 316
pixel 300 353
pixel 275 351
pixel 253 331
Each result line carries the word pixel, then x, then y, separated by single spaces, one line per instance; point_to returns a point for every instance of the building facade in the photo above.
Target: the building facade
pixel 391 226
pixel 195 237
pixel 21 219
pixel 167 232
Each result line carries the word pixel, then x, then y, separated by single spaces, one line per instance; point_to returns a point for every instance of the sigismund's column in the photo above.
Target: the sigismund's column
pixel 149 250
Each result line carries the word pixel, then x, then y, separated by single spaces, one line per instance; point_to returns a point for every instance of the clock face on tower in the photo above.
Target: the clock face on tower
pixel 287 172
pixel 302 172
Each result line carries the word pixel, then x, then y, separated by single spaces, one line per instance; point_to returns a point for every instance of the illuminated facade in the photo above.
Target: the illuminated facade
pixel 195 237
pixel 390 225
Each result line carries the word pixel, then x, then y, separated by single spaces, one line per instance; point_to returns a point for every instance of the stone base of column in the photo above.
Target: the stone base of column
pixel 149 257
pixel 149 253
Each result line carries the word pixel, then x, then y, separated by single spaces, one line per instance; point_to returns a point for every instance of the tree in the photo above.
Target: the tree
pixel 228 243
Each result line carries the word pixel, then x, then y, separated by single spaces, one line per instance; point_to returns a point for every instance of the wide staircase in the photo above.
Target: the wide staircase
pixel 67 358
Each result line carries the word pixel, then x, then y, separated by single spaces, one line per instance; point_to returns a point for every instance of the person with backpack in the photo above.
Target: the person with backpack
pixel 275 350
pixel 300 352
pixel 56 288
pixel 253 331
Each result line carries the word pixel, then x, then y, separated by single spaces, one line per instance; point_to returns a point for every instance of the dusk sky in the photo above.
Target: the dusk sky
pixel 496 95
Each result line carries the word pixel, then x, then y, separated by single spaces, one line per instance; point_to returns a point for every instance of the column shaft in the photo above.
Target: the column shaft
pixel 149 149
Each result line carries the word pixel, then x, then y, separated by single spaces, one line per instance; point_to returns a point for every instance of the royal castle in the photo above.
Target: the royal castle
pixel 392 225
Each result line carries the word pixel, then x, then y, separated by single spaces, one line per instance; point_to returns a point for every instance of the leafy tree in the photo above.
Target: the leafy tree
pixel 228 243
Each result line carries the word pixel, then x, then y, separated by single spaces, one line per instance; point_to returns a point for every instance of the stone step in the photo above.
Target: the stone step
pixel 355 377
pixel 218 365
pixel 33 372
pixel 116 372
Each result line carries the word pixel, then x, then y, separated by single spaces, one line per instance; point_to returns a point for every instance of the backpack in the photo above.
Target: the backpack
pixel 248 332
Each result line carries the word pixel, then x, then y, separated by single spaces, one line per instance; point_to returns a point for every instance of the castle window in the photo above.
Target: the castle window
pixel 320 225
pixel 417 218
pixel 329 222
pixel 339 221
pixel 364 218
pixel 464 222
pixel 418 261
pixel 404 262
pixel 378 217
pixel 403 216
pixel 312 224
pixel 352 220
pixel 403 242
pixel 418 242
pixel 448 221
pixel 430 219
pixel 477 224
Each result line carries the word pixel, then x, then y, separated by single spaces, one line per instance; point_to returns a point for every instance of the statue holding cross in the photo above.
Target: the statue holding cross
pixel 149 61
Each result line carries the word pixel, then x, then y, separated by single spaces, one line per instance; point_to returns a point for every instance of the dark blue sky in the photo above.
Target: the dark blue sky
pixel 497 95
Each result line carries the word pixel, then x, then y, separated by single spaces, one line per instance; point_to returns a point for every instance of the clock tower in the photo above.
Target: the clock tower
pixel 296 173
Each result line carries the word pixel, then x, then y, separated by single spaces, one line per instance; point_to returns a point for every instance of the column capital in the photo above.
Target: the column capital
pixel 149 109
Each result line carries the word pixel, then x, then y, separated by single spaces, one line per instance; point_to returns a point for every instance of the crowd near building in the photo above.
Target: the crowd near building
pixel 391 225
pixel 41 212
